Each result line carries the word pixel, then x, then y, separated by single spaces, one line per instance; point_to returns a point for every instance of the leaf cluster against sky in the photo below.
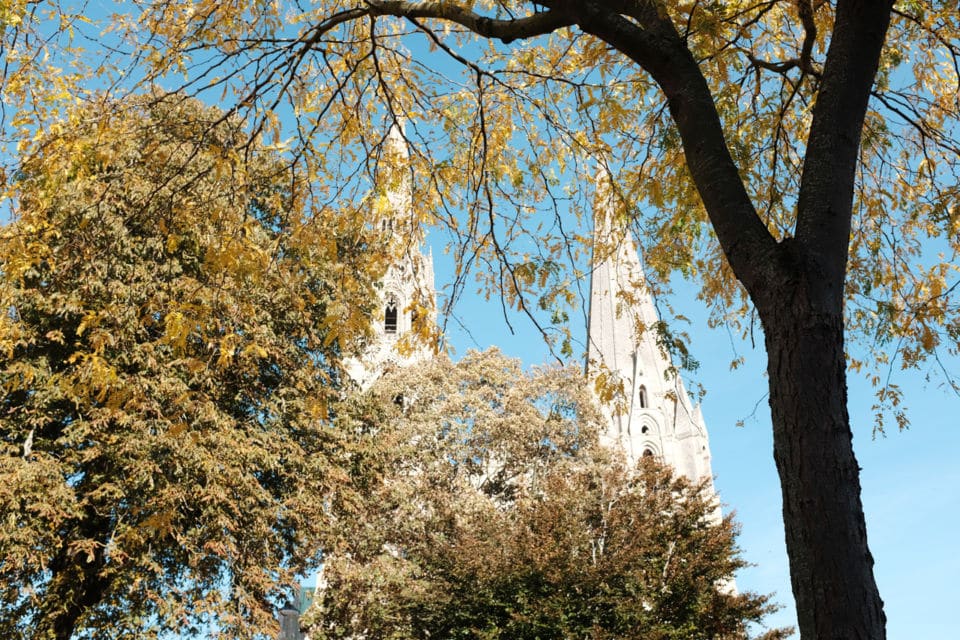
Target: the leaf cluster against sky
pixel 504 137
pixel 173 338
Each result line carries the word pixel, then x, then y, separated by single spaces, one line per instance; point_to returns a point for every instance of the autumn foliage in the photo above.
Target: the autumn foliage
pixel 173 328
pixel 490 511
pixel 797 160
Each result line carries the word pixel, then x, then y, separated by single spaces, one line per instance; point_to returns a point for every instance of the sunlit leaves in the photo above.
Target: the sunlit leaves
pixel 504 137
pixel 491 512
pixel 172 341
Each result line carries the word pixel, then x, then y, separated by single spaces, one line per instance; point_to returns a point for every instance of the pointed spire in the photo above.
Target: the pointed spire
pixel 652 414
pixel 407 287
pixel 603 204
pixel 616 274
pixel 396 141
pixel 393 174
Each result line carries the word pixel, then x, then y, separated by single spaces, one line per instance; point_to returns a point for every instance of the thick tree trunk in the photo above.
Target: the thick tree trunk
pixel 78 582
pixel 831 568
pixel 84 588
pixel 797 285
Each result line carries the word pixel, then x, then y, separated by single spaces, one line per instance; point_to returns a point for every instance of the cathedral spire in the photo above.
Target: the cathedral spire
pixel 394 180
pixel 621 309
pixel 650 413
pixel 407 295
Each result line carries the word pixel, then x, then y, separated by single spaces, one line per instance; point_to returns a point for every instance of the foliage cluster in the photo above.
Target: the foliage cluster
pixel 797 158
pixel 174 323
pixel 520 99
pixel 492 511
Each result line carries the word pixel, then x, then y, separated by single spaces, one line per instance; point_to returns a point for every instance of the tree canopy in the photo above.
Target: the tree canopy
pixel 510 104
pixel 493 512
pixel 174 324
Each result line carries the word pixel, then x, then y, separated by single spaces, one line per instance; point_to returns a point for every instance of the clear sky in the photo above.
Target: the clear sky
pixel 911 481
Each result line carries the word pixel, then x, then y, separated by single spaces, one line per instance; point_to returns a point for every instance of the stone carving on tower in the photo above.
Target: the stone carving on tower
pixel 650 412
pixel 407 292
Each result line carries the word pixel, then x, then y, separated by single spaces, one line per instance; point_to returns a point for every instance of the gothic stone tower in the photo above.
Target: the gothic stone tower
pixel 407 288
pixel 652 416
pixel 650 413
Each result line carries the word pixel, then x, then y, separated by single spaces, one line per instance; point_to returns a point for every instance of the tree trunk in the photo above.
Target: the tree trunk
pixel 78 582
pixel 83 588
pixel 831 569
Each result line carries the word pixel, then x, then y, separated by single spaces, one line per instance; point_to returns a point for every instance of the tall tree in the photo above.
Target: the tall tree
pixel 804 148
pixel 173 327
pixel 492 512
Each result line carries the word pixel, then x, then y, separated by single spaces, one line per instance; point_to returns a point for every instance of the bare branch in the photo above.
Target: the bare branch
pixel 507 31
pixel 654 43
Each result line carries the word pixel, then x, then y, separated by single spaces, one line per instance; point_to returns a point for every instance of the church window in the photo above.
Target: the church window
pixel 644 429
pixel 642 397
pixel 647 453
pixel 390 316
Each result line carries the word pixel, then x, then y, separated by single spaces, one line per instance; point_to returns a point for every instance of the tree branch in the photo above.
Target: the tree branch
pixel 652 41
pixel 805 62
pixel 529 26
pixel 826 188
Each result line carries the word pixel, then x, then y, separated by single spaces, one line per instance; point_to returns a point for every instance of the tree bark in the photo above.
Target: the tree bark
pixel 831 568
pixel 80 581
pixel 797 286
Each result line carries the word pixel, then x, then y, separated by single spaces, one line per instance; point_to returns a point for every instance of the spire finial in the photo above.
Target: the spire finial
pixel 394 171
pixel 396 141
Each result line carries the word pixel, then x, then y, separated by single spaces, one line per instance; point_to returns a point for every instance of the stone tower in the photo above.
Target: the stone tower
pixel 407 289
pixel 651 413
pixel 651 416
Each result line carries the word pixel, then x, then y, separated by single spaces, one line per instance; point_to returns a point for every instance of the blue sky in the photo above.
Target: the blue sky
pixel 911 482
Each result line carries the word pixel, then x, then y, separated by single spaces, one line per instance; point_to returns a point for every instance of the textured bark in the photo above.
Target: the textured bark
pixel 79 579
pixel 831 569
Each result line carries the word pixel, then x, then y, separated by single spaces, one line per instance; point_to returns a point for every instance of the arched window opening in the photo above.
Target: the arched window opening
pixel 390 316
pixel 644 429
pixel 642 397
pixel 647 453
